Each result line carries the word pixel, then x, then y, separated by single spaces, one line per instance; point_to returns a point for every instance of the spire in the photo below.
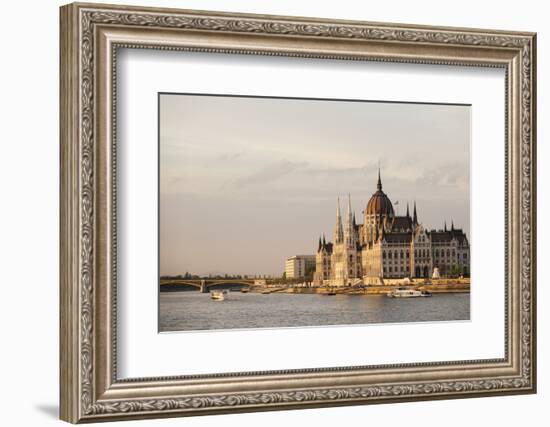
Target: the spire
pixel 415 217
pixel 320 245
pixel 445 229
pixel 452 225
pixel 408 214
pixel 324 241
pixel 379 184
pixel 354 223
pixel 349 230
pixel 338 231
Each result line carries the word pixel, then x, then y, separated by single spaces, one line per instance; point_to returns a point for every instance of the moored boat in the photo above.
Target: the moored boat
pixel 218 295
pixel 404 293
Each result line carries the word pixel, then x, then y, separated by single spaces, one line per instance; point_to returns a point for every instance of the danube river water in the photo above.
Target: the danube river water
pixel 191 310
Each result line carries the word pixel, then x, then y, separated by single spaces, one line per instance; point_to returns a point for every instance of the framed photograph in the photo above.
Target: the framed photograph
pixel 266 213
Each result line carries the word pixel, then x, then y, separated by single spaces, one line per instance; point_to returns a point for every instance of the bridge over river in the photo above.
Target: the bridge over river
pixel 205 284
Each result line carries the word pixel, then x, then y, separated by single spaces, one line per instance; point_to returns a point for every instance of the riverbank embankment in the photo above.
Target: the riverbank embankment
pixel 435 287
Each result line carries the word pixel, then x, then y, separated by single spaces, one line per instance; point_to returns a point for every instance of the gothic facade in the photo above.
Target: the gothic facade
pixel 388 246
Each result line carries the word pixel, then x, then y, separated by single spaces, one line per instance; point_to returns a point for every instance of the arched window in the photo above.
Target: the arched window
pixel 389 254
pixel 384 254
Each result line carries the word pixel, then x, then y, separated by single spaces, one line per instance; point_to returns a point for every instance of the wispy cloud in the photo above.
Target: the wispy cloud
pixel 228 157
pixel 271 172
pixel 335 171
pixel 449 174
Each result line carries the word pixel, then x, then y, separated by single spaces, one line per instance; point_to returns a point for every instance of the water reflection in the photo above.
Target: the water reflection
pixel 181 311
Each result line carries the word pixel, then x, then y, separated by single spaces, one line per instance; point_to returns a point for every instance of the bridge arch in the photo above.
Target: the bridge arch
pixel 204 284
pixel 193 283
pixel 229 283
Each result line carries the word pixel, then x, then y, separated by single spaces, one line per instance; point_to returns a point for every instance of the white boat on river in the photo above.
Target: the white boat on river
pixel 218 295
pixel 408 293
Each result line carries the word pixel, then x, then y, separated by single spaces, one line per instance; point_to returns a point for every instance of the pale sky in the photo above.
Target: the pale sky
pixel 247 182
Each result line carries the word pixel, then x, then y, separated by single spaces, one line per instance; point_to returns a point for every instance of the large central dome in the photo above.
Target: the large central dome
pixel 379 203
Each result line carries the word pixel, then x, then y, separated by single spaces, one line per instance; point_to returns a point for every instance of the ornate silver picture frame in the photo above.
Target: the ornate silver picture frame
pixel 91 36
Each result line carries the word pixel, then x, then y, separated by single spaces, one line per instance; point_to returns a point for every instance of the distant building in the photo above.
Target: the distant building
pixel 297 266
pixel 388 246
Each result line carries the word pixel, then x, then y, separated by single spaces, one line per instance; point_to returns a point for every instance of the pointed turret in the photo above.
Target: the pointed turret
pixel 415 217
pixel 408 214
pixel 338 231
pixel 379 183
pixel 349 230
pixel 445 229
pixel 452 225
pixel 320 245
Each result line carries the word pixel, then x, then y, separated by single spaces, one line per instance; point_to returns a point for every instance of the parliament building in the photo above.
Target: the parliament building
pixel 387 246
